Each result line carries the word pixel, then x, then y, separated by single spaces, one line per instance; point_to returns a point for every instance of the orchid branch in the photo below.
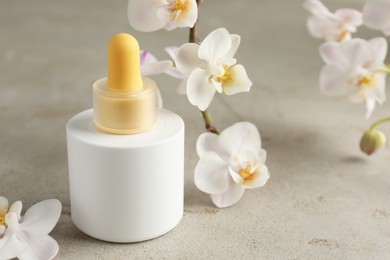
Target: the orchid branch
pixel 379 122
pixel 193 37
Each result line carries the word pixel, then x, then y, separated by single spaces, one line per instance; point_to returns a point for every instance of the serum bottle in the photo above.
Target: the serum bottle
pixel 125 156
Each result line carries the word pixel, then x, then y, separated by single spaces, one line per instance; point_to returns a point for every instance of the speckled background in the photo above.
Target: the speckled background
pixel 324 200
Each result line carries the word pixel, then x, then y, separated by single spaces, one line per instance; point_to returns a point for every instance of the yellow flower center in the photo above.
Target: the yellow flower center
pixel 2 220
pixel 366 81
pixel 343 35
pixel 225 76
pixel 247 175
pixel 178 6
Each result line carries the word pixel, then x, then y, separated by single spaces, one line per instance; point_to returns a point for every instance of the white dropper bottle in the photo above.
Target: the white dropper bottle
pixel 126 157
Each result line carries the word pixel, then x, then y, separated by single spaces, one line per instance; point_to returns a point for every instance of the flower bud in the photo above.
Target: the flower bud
pixel 372 140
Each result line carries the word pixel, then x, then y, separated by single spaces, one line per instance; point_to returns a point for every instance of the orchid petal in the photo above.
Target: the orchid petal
pixel 230 197
pixel 333 81
pixel 251 157
pixel 332 54
pixel 350 16
pixel 236 177
pixel 187 58
pixel 217 85
pixel 240 137
pixel 237 82
pixel 379 45
pixel 378 93
pixel 142 15
pixel 3 206
pixel 208 142
pixel 317 27
pixel 171 50
pixel 200 91
pixel 39 247
pixel 2 229
pixel 370 106
pixel 174 72
pixel 376 15
pixel 12 221
pixel 156 68
pixel 17 208
pixel 164 14
pixel 236 39
pixel 188 16
pixel 262 155
pixel 170 26
pixel 225 61
pixel 261 178
pixel 316 7
pixel 211 174
pixel 11 246
pixel 41 218
pixel 357 51
pixel 215 46
pixel 146 57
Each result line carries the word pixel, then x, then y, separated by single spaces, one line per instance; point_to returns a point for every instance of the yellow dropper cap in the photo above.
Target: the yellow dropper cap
pixel 124 72
pixel 125 102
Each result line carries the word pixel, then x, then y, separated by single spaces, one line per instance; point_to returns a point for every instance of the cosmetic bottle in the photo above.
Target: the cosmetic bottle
pixel 125 156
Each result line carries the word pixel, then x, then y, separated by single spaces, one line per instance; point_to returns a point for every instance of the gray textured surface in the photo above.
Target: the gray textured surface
pixel 325 200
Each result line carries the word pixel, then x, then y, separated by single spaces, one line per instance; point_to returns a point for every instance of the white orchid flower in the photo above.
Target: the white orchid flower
pixel 355 69
pixel 337 26
pixel 153 15
pixel 230 163
pixel 26 237
pixel 376 15
pixel 211 67
pixel 175 72
pixel 149 64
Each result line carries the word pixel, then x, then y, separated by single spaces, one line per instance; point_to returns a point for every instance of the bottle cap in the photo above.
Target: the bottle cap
pixel 124 102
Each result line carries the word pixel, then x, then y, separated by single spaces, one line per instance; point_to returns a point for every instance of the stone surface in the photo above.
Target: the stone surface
pixel 325 199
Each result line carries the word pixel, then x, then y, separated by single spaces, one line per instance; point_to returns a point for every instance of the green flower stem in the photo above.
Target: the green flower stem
pixel 377 123
pixel 209 122
pixel 385 70
pixel 193 37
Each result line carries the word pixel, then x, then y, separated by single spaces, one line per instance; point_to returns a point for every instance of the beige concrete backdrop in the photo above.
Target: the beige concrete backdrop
pixel 324 200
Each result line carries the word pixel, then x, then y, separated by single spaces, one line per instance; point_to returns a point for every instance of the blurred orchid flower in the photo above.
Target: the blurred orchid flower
pixel 355 69
pixel 26 238
pixel 153 15
pixel 211 67
pixel 230 163
pixel 151 66
pixel 376 15
pixel 330 26
pixel 175 72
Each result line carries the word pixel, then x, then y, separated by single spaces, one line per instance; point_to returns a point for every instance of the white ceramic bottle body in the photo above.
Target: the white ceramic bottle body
pixel 126 188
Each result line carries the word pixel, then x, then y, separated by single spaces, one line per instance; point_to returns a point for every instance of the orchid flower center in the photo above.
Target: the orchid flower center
pixel 177 6
pixel 2 221
pixel 343 35
pixel 248 175
pixel 366 81
pixel 226 74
